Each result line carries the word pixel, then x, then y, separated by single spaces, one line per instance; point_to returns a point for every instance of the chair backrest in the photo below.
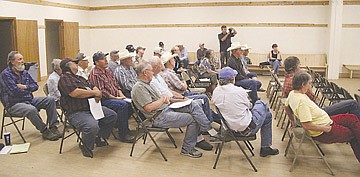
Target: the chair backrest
pixel 224 123
pixel 139 116
pixel 46 89
pixel 357 97
pixel 346 94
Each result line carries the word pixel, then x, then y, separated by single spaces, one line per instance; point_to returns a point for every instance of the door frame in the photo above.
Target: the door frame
pixel 13 31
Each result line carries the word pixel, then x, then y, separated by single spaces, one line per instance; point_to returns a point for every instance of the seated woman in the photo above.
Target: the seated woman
pixel 275 58
pixel 207 72
pixel 340 128
pixel 214 61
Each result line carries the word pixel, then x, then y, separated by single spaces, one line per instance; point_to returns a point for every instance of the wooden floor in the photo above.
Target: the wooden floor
pixel 43 158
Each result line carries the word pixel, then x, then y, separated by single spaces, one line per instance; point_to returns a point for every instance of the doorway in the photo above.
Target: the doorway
pixel 53 39
pixel 7 44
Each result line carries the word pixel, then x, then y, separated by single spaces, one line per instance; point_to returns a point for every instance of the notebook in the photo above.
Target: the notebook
pixel 20 148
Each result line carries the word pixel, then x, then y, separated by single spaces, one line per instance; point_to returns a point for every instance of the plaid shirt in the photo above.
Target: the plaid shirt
pixel 172 80
pixel 13 94
pixel 105 81
pixel 288 87
pixel 68 83
pixel 127 78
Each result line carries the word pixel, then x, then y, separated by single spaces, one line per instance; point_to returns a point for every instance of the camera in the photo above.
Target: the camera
pixel 230 30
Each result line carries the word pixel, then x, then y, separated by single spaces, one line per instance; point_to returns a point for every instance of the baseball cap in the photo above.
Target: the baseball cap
pixel 99 55
pixel 67 60
pixel 81 56
pixel 227 73
pixel 130 48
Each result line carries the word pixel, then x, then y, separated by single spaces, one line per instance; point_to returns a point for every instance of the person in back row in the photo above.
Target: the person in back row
pixel 114 60
pixel 53 80
pixel 238 111
pixel 125 74
pixel 83 65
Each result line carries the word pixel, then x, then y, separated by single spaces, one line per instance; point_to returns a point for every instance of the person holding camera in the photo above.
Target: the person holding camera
pixel 225 42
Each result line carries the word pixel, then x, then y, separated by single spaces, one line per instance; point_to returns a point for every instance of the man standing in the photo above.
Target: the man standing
pixel 18 87
pixel 225 42
pixel 114 60
pixel 83 65
pixel 75 92
pixel 125 74
pixel 113 97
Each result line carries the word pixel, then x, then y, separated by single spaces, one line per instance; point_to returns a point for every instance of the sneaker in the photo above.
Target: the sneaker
pixel 47 134
pixel 191 153
pixel 56 131
pixel 261 90
pixel 204 145
pixel 86 152
pixel 268 151
pixel 127 139
pixel 100 143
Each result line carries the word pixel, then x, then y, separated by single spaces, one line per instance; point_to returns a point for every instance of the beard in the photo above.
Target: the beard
pixel 20 67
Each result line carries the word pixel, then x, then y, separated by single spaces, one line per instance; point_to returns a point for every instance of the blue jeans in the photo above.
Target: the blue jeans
pixel 262 117
pixel 205 106
pixel 123 111
pixel 251 75
pixel 252 85
pixel 90 128
pixel 185 62
pixel 275 65
pixel 31 111
pixel 344 107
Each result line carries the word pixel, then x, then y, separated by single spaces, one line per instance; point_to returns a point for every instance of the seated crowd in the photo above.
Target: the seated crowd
pixel 154 83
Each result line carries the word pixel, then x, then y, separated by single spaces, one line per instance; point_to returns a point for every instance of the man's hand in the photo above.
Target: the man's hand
pixel 165 99
pixel 21 86
pixel 327 127
pixel 97 93
pixel 120 97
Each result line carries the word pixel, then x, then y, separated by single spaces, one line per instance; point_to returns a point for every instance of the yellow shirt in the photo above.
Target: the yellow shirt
pixel 307 111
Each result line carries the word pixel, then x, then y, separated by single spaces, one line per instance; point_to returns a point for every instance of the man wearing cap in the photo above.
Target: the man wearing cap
pixel 237 109
pixel 155 107
pixel 83 65
pixel 158 51
pixel 112 96
pixel 162 45
pixel 139 54
pixel 241 78
pixel 184 56
pixel 176 85
pixel 17 87
pixel 125 74
pixel 53 80
pixel 75 92
pixel 225 42
pixel 200 53
pixel 114 60
pixel 246 60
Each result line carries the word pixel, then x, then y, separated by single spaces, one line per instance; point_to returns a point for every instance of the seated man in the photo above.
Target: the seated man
pixel 114 60
pixel 18 87
pixel 75 91
pixel 245 60
pixel 125 74
pixel 83 65
pixel 292 66
pixel 237 109
pixel 156 108
pixel 113 97
pixel 53 80
pixel 242 79
pixel 322 127
pixel 175 84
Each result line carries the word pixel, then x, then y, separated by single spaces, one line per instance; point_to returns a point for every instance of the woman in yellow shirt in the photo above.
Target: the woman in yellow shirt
pixel 335 129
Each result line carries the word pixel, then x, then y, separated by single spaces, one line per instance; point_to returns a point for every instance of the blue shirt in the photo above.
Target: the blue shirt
pixel 244 61
pixel 13 94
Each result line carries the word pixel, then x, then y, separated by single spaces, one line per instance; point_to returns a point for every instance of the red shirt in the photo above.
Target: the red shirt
pixel 105 81
pixel 288 87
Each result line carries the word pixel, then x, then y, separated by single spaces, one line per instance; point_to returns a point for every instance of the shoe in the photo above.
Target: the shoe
pixel 47 134
pixel 100 143
pixel 204 145
pixel 56 131
pixel 191 153
pixel 127 139
pixel 268 151
pixel 86 152
pixel 261 90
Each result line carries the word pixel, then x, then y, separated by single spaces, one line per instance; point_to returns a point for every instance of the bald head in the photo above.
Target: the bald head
pixel 156 63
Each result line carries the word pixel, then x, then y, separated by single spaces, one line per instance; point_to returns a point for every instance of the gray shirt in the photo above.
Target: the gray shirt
pixel 113 65
pixel 143 94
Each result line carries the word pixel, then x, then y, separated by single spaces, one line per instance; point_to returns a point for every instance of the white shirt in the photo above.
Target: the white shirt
pixel 52 84
pixel 83 73
pixel 160 86
pixel 234 104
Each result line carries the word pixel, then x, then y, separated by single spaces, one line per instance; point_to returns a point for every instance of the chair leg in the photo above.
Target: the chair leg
pixel 218 155
pixel 171 138
pixel 322 156
pixel 153 140
pixel 2 126
pixel 181 131
pixel 17 129
pixel 288 145
pixel 63 138
pixel 248 146
pixel 23 124
pixel 286 130
pixel 247 157
pixel 297 151
pixel 217 148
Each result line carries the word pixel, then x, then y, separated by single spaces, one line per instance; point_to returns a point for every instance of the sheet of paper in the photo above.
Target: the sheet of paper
pixel 96 109
pixel 19 148
pixel 5 150
pixel 204 80
pixel 127 100
pixel 180 104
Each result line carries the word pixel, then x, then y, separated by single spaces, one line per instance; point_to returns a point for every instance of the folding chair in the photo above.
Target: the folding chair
pixel 144 129
pixel 357 97
pixel 302 136
pixel 227 135
pixel 46 91
pixel 191 85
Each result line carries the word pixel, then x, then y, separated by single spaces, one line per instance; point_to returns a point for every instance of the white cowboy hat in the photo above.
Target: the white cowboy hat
pixel 124 54
pixel 234 45
pixel 245 47
pixel 166 56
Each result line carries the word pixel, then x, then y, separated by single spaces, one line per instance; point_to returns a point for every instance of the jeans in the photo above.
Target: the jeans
pixel 223 58
pixel 275 65
pixel 123 111
pixel 346 128
pixel 262 117
pixel 251 75
pixel 185 62
pixel 31 111
pixel 344 107
pixel 90 128
pixel 205 106
pixel 191 116
pixel 250 84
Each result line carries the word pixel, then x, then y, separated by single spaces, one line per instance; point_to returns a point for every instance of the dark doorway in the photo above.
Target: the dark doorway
pixel 53 41
pixel 7 40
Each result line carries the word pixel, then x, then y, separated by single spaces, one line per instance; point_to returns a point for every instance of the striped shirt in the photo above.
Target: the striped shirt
pixel 105 81
pixel 125 77
pixel 172 80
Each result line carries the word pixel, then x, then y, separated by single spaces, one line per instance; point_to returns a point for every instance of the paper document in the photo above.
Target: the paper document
pixel 180 104
pixel 96 109
pixel 204 80
pixel 5 150
pixel 19 148
pixel 128 100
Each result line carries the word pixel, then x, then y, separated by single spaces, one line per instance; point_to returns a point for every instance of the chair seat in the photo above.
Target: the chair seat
pixel 197 90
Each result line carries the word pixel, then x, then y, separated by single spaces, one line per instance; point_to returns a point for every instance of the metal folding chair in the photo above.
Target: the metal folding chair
pixel 58 107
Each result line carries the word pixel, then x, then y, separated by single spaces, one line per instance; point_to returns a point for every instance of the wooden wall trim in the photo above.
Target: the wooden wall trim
pixel 175 5
pixel 351 25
